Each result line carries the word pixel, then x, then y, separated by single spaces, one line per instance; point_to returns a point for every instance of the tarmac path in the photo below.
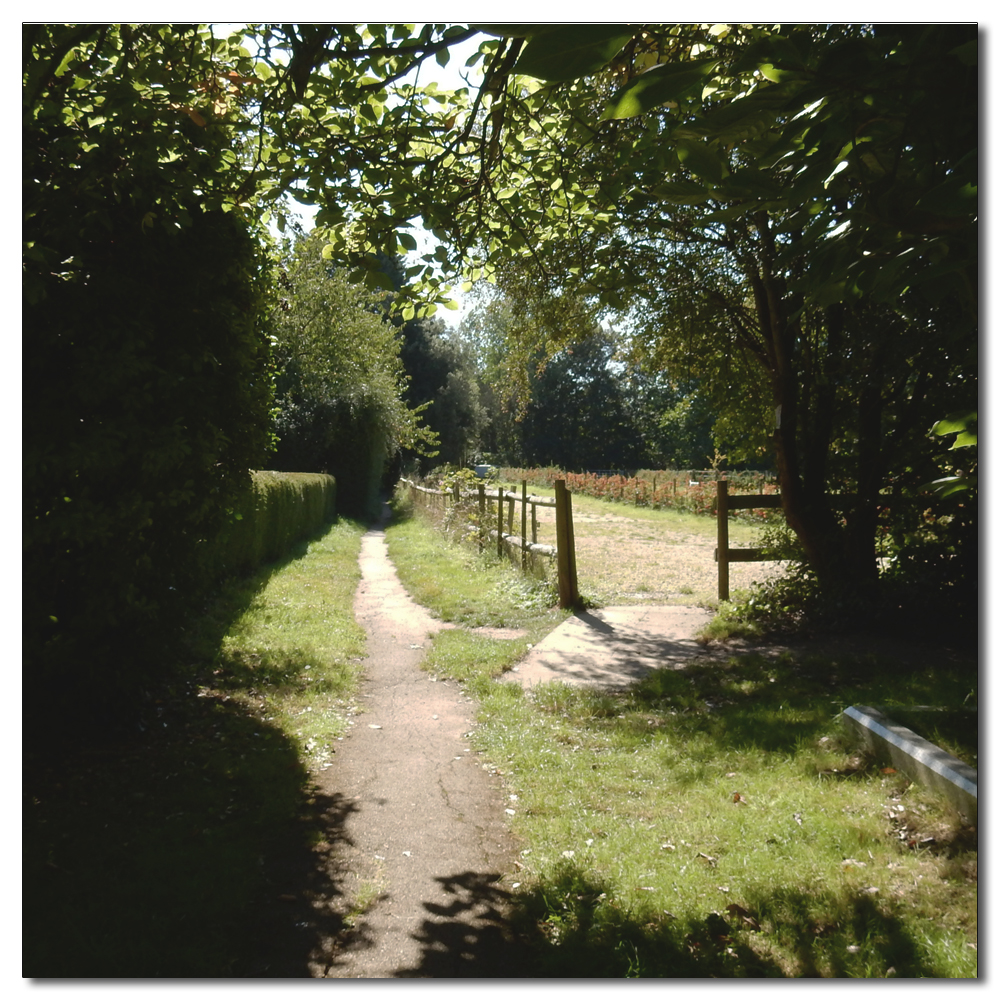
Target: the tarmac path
pixel 423 841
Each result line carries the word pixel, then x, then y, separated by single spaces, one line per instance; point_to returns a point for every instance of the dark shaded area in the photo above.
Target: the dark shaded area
pixel 167 848
pixel 299 914
pixel 471 938
pixel 145 407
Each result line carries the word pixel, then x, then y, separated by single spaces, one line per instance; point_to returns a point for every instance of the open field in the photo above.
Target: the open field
pixel 635 555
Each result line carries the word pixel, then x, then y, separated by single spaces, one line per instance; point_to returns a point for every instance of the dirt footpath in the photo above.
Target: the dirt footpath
pixel 424 843
pixel 419 858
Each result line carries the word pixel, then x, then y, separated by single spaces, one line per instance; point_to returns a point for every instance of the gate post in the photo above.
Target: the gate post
pixel 524 524
pixel 722 552
pixel 499 521
pixel 569 594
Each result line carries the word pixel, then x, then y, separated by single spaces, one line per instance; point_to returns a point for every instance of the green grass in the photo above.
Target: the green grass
pixel 162 855
pixel 714 821
pixel 461 585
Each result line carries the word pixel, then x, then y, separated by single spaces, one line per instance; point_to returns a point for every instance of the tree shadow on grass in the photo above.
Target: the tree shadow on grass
pixel 778 703
pixel 842 935
pixel 574 929
pixel 181 845
pixel 569 926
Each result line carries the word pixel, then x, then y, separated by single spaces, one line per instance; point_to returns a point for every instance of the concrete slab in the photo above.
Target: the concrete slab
pixel 917 758
pixel 614 647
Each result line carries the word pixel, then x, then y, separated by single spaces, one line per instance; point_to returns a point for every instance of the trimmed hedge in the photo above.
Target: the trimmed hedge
pixel 280 509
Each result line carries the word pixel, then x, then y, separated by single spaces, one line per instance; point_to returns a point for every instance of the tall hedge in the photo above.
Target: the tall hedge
pixel 279 509
pixel 147 397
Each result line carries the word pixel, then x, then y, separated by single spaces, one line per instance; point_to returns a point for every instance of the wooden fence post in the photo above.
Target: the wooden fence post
pixel 500 521
pixel 482 516
pixel 722 516
pixel 524 524
pixel 569 595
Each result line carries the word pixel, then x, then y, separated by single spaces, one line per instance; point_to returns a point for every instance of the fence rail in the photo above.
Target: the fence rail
pixel 496 506
pixel 725 503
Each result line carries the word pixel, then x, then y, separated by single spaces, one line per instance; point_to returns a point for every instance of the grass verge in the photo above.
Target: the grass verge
pixel 713 821
pixel 158 856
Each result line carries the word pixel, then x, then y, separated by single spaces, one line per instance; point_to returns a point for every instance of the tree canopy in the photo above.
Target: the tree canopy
pixel 787 213
pixel 339 382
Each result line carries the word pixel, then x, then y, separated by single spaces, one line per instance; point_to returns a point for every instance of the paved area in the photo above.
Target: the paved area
pixel 423 843
pixel 614 647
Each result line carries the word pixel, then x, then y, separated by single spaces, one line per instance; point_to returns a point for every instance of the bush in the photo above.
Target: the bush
pixel 279 509
pixel 667 489
pixel 147 396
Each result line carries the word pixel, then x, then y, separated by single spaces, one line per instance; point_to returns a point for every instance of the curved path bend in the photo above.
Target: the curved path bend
pixel 423 843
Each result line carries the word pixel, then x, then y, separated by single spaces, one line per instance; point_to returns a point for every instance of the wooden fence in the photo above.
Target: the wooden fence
pixel 494 507
pixel 724 555
pixel 725 502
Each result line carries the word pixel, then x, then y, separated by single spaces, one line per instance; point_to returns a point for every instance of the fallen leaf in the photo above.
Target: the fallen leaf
pixel 739 800
pixel 735 910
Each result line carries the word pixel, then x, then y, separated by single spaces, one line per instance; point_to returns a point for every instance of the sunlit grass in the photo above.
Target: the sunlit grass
pixel 460 584
pixel 294 656
pixel 717 821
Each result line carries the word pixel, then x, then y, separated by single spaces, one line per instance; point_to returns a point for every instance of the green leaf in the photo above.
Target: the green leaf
pixel 571 51
pixel 509 30
pixel 949 485
pixel 777 75
pixel 379 279
pixel 407 241
pixel 751 184
pixel 967 54
pixel 668 82
pixel 953 197
pixel 701 160
pixel 967 439
pixel 962 424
